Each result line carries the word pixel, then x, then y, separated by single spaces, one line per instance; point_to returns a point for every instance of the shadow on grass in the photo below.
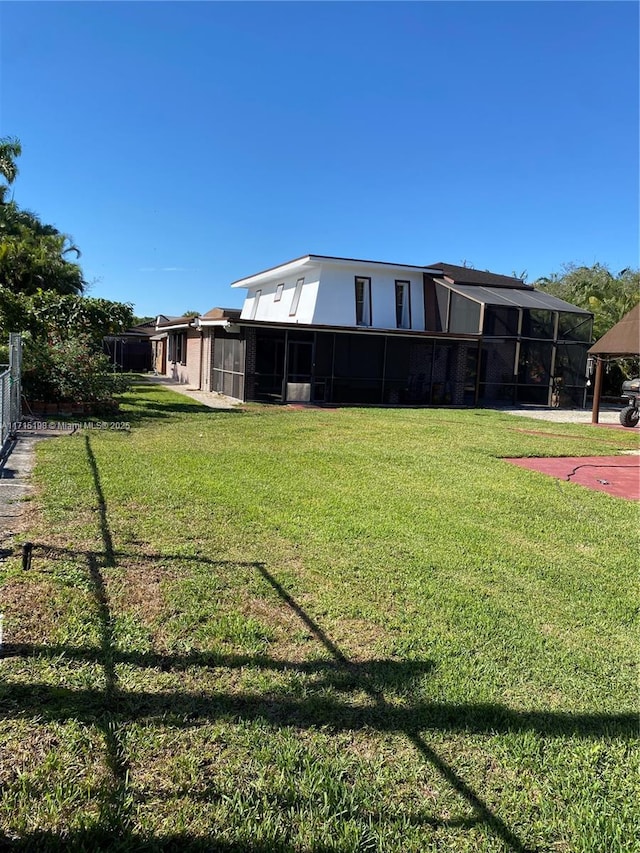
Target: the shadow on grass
pixel 97 841
pixel 112 709
pixel 150 402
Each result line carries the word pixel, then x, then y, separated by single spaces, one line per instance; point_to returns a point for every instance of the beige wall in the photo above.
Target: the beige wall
pixel 189 373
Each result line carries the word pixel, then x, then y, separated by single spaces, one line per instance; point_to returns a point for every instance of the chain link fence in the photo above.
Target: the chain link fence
pixel 11 389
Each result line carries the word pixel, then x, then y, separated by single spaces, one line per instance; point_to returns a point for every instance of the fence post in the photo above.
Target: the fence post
pixel 15 371
pixel 11 390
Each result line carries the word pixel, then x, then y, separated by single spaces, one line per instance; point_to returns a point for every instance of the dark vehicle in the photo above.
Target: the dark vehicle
pixel 630 415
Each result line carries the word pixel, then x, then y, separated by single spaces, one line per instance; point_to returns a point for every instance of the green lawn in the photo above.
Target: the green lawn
pixel 310 630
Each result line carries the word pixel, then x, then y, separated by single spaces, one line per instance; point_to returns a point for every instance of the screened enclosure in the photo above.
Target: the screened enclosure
pixel 352 369
pixel 481 346
pixel 228 365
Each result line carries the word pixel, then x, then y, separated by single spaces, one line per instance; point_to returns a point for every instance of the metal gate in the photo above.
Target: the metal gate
pixel 11 389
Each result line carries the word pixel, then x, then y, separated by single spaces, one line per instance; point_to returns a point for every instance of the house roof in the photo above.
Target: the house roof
pixel 147 328
pixel 174 322
pixel 467 275
pixel 623 339
pixel 291 266
pixel 456 274
pixel 222 314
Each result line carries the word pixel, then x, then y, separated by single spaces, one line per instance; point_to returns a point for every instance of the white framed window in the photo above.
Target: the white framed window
pixel 278 294
pixel 403 304
pixel 254 307
pixel 296 297
pixel 363 301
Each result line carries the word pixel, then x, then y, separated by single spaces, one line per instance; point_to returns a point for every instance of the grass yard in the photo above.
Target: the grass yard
pixel 308 630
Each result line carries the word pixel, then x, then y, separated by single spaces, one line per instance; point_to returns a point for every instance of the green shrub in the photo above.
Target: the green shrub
pixel 71 370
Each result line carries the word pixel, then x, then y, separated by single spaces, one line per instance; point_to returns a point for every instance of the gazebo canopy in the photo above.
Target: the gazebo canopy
pixel 621 340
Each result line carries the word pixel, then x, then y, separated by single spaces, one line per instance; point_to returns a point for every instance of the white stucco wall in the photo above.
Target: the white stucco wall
pixel 269 309
pixel 336 303
pixel 328 295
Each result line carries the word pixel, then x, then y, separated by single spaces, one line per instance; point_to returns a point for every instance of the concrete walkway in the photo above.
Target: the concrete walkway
pixel 608 415
pixel 16 467
pixel 208 398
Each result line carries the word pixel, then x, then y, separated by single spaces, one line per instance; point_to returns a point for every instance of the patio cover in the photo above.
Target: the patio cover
pixel 621 340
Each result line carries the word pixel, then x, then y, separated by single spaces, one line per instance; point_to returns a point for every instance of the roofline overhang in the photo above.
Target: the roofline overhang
pixel 223 323
pixel 358 330
pixel 173 327
pixel 309 260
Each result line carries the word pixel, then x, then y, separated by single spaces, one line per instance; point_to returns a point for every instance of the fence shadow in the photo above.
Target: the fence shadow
pixel 326 705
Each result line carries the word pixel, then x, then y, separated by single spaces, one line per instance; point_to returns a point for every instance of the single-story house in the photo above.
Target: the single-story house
pixel 337 331
pixel 183 349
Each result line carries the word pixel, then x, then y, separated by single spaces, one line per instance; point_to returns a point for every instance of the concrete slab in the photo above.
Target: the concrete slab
pixel 618 476
pixel 609 415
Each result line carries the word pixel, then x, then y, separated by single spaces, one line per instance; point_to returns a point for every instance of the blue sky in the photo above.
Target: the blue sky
pixel 184 145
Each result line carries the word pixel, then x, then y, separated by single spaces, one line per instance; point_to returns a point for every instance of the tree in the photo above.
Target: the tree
pixel 41 295
pixel 10 149
pixel 33 255
pixel 64 315
pixel 609 297
pixel 141 321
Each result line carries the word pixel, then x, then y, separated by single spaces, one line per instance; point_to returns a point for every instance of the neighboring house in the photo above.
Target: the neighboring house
pixel 176 350
pixel 131 350
pixel 342 331
pixel 183 349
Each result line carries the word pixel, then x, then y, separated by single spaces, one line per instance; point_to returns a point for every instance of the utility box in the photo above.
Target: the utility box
pixel 298 392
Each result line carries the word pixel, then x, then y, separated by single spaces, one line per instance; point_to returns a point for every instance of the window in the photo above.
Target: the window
pixel 278 295
pixel 403 305
pixel 254 307
pixel 178 347
pixel 296 297
pixel 363 301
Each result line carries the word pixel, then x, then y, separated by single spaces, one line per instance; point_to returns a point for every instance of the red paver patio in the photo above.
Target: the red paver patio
pixel 618 476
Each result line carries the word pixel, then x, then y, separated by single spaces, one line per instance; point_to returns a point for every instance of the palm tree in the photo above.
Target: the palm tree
pixel 10 148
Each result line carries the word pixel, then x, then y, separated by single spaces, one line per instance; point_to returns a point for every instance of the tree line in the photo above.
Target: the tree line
pixel 42 295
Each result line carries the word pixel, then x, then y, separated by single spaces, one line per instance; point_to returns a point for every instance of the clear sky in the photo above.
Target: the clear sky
pixel 184 145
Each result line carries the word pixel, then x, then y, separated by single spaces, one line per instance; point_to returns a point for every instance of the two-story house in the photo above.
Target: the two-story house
pixel 342 331
pixel 338 330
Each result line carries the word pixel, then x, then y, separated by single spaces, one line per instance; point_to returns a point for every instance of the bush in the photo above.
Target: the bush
pixel 69 370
